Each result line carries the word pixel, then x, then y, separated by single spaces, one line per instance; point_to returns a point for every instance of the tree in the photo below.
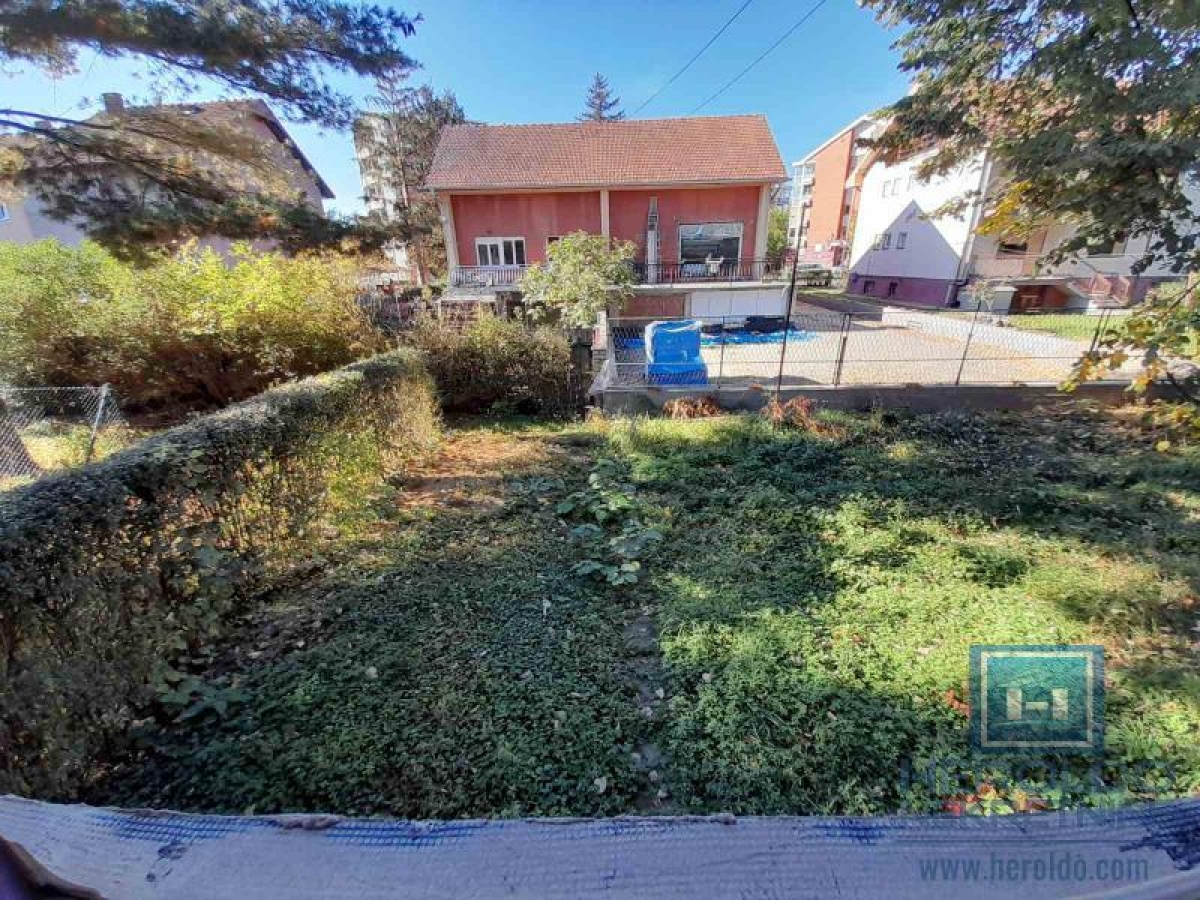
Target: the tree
pixel 777 234
pixel 584 274
pixel 601 105
pixel 154 173
pixel 396 143
pixel 1088 109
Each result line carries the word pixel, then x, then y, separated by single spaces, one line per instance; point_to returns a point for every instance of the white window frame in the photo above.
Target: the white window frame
pixel 498 244
pixel 901 240
pixel 885 241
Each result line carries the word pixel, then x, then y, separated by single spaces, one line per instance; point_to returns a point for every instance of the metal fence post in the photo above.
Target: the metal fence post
pixel 841 357
pixel 966 347
pixel 1101 325
pixel 721 358
pixel 96 423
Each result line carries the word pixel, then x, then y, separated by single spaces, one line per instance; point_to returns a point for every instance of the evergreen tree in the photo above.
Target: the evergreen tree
pixel 396 143
pixel 153 174
pixel 601 105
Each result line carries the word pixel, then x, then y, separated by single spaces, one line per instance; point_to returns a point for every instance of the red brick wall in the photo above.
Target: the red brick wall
pixel 534 217
pixel 829 191
pixel 627 211
pixel 654 306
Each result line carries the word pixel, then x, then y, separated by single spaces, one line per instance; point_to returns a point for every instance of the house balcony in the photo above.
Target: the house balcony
pixel 504 278
pixel 1002 265
pixel 657 275
pixel 720 271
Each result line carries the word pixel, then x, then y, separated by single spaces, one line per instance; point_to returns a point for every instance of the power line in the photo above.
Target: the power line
pixel 738 77
pixel 699 53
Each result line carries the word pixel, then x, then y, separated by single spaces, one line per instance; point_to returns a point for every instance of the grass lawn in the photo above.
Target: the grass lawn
pixel 60 444
pixel 1073 327
pixel 651 615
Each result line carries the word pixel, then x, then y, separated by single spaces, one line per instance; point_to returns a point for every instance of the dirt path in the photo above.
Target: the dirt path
pixel 470 469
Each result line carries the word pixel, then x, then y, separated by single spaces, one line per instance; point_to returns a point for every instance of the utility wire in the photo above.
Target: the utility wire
pixel 738 77
pixel 699 53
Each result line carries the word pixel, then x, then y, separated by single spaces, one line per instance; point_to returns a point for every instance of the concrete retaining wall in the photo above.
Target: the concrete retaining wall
pixel 920 398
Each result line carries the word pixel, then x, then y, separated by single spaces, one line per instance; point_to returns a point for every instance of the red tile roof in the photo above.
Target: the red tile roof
pixel 703 150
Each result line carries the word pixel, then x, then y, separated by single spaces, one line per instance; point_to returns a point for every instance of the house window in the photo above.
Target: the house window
pixel 709 241
pixel 885 241
pixel 3 212
pixel 1013 247
pixel 892 285
pixel 869 286
pixel 500 251
pixel 551 240
pixel 901 240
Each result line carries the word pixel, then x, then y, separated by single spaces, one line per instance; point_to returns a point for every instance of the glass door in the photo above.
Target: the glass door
pixel 500 251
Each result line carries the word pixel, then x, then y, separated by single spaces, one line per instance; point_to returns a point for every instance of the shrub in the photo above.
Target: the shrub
pixel 585 273
pixel 114 570
pixel 500 366
pixel 189 330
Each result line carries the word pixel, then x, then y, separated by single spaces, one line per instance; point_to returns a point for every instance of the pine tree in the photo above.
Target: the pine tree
pixel 601 105
pixel 396 143
pixel 150 174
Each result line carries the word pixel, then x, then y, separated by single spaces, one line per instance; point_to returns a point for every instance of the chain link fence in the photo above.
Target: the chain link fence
pixel 44 429
pixel 887 346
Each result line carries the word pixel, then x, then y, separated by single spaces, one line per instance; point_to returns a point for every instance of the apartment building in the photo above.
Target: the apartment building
pixel 824 194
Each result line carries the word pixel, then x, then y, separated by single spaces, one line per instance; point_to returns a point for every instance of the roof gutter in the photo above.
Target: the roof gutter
pixel 598 186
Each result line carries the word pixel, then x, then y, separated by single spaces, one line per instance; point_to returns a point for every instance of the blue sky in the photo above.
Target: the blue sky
pixel 525 61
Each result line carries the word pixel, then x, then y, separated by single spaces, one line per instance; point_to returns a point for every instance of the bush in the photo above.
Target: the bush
pixel 116 569
pixel 499 366
pixel 583 276
pixel 193 330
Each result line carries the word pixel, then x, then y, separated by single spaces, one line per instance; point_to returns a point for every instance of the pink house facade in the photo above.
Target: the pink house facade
pixel 691 194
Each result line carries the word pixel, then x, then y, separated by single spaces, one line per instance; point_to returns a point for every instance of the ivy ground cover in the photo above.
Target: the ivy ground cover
pixel 663 616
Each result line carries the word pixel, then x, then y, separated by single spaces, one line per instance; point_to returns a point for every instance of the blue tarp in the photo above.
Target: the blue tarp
pixel 1148 853
pixel 673 353
pixel 730 336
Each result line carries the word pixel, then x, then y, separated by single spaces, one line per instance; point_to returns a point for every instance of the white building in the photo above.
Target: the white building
pixel 379 188
pixel 902 251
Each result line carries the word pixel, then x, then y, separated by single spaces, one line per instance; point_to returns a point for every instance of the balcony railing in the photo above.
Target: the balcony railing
pixel 711 270
pixel 717 270
pixel 486 276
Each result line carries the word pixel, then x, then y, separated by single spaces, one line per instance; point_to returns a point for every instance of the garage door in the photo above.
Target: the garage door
pixel 737 304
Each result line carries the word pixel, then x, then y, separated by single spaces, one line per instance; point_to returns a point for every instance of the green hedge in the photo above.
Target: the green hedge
pixel 499 366
pixel 111 571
